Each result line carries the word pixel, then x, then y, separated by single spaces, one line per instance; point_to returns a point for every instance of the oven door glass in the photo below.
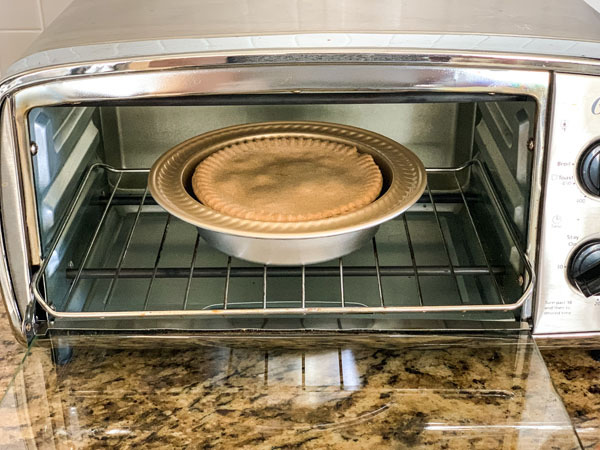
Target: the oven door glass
pixel 349 391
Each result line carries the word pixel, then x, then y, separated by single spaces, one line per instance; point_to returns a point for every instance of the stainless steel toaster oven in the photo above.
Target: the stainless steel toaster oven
pixel 506 122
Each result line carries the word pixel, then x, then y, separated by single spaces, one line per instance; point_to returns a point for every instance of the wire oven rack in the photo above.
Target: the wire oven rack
pixel 432 203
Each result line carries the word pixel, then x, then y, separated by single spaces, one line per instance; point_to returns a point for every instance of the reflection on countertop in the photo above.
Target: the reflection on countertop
pixel 576 375
pixel 11 352
pixel 314 392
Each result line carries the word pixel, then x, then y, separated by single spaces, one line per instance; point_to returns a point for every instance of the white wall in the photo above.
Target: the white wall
pixel 21 21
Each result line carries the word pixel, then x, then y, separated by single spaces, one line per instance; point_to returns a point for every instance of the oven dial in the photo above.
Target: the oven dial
pixel 584 268
pixel 589 170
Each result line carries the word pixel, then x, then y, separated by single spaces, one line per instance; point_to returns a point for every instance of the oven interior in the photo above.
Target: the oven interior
pixel 111 248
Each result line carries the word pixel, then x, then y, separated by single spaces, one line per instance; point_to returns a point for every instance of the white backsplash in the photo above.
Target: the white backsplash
pixel 21 21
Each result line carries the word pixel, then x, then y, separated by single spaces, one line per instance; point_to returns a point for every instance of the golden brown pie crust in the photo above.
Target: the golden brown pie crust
pixel 287 179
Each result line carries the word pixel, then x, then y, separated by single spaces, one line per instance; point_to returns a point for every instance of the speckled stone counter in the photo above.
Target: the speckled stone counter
pixel 281 393
pixel 576 375
pixel 11 352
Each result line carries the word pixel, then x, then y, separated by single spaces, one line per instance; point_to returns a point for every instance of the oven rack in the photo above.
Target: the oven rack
pixel 431 203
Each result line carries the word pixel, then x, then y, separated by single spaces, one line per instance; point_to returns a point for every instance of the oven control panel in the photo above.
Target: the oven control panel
pixel 568 294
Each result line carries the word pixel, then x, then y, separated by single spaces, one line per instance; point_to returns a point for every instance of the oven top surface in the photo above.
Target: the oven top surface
pixel 88 21
pixel 90 30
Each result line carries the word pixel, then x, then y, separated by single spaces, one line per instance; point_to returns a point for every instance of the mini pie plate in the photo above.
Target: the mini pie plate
pixel 288 243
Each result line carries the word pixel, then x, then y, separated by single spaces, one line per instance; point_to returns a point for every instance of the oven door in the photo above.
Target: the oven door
pixel 13 252
pixel 278 391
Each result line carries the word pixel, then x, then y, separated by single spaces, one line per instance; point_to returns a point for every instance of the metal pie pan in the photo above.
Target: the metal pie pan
pixel 288 243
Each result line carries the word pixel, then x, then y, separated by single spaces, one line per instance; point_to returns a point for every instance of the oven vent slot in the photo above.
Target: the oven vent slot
pixel 120 255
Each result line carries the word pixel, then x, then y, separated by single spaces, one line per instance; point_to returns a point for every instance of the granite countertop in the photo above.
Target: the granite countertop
pixel 320 392
pixel 316 392
pixel 575 372
pixel 11 352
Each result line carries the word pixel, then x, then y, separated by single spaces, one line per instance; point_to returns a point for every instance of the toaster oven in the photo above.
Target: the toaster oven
pixel 505 236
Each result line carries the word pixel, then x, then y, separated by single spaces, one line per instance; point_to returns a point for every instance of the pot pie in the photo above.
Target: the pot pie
pixel 287 179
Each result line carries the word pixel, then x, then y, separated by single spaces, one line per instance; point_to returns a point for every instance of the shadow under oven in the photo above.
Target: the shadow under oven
pixel 89 250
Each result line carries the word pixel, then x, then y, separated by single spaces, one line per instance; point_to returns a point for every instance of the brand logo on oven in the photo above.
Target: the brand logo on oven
pixel 596 107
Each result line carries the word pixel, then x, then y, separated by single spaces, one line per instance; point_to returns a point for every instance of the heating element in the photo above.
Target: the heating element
pixel 435 257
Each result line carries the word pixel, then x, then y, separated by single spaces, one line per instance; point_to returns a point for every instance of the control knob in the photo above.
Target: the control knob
pixel 584 268
pixel 588 170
